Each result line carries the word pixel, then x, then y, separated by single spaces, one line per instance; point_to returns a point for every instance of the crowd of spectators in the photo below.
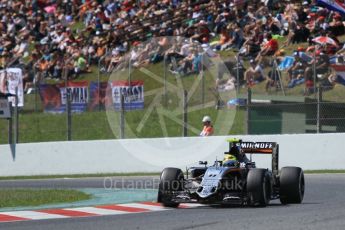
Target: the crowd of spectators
pixel 65 38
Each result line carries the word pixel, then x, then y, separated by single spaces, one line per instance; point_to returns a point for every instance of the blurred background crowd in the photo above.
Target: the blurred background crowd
pixel 57 39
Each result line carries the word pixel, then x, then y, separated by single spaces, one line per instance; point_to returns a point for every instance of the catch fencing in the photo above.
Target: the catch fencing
pixel 165 99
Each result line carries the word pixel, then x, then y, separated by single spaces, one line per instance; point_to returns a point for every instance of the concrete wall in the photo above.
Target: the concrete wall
pixel 310 151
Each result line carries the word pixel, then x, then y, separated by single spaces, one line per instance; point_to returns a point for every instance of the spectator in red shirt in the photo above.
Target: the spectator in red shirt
pixel 270 47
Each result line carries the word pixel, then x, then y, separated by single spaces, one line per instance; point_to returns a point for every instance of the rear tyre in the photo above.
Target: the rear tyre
pixel 292 185
pixel 171 181
pixel 259 187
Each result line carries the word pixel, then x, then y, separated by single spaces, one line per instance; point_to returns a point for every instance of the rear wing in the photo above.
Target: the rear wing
pixel 258 147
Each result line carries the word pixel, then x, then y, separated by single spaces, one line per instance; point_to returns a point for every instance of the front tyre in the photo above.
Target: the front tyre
pixel 171 181
pixel 292 185
pixel 259 187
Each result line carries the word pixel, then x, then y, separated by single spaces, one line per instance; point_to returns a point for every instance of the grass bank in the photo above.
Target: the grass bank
pixel 80 176
pixel 324 171
pixel 35 197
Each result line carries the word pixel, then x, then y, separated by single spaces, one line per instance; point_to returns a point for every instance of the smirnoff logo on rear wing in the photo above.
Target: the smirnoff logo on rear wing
pixel 257 145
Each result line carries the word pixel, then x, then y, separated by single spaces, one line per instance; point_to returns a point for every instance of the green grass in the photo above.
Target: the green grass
pixel 133 174
pixel 324 171
pixel 35 197
pixel 40 127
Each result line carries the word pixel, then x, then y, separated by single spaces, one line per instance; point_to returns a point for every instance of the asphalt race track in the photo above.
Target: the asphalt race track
pixel 323 208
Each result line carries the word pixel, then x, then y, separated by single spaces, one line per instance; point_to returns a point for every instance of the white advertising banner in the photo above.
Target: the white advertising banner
pixel 11 78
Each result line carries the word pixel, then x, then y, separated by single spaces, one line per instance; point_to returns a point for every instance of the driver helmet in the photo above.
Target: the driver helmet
pixel 230 163
pixel 228 157
pixel 234 142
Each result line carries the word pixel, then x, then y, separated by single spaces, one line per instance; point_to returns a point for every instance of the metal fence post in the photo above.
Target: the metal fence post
pixel 129 71
pixel 37 82
pixel 16 134
pixel 314 70
pixel 202 81
pixel 318 112
pixel 10 125
pixel 36 88
pixel 238 73
pixel 165 81
pixel 185 113
pixel 122 116
pixel 249 101
pixel 69 115
pixel 98 83
pixel 130 78
pixel 68 107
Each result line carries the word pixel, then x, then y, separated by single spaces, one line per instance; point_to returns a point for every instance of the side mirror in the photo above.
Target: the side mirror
pixel 203 163
pixel 250 165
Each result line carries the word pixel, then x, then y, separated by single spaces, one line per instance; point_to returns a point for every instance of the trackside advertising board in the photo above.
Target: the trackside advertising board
pixel 92 97
pixel 133 94
pixel 10 79
pixel 54 97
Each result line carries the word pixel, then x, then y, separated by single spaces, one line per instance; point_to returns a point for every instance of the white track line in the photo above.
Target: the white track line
pixel 97 211
pixel 145 206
